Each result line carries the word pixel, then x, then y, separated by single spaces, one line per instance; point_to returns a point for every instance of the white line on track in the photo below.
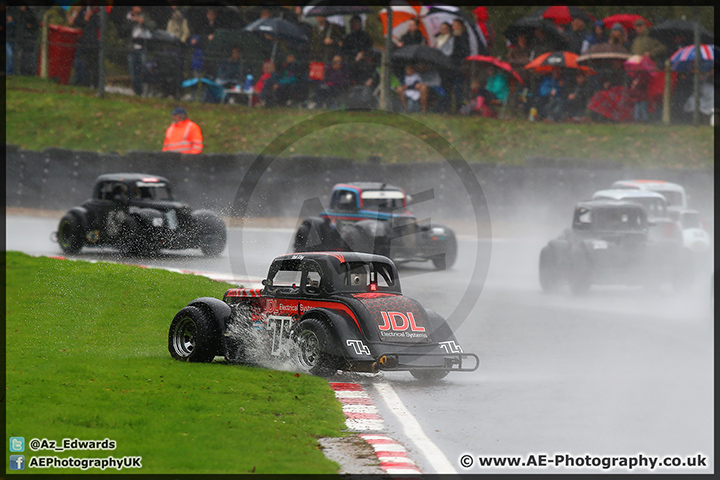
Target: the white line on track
pixel 413 430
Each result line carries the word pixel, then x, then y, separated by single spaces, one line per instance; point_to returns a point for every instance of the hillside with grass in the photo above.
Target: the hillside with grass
pixel 42 114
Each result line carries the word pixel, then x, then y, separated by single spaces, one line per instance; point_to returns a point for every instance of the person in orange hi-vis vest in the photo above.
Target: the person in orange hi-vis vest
pixel 184 135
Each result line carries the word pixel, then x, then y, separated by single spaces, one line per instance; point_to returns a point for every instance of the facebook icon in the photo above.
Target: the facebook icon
pixel 17 462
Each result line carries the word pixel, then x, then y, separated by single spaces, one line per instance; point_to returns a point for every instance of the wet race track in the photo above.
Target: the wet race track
pixel 621 371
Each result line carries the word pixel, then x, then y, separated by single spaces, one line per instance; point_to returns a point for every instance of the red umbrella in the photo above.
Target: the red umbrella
pixel 497 63
pixel 562 15
pixel 627 20
pixel 548 61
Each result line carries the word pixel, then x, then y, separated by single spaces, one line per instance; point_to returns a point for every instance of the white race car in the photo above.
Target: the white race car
pixel 695 237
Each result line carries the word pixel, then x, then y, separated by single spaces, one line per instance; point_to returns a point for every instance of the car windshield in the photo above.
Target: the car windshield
pixel 383 204
pixel 617 219
pixel 151 191
pixel 654 207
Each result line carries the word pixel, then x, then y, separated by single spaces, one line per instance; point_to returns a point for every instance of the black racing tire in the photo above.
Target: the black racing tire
pixel 301 237
pixel 550 272
pixel 430 375
pixel 446 260
pixel 211 233
pixel 70 235
pixel 580 275
pixel 316 235
pixel 193 335
pixel 313 342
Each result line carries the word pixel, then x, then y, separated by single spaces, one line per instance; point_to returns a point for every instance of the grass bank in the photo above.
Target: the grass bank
pixel 87 358
pixel 41 114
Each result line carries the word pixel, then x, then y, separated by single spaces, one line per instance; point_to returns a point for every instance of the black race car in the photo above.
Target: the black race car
pixel 373 218
pixel 612 242
pixel 136 213
pixel 328 311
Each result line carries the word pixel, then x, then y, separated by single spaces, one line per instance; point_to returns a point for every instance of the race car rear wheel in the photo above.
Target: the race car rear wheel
pixel 193 336
pixel 429 375
pixel 313 341
pixel 211 233
pixel 69 234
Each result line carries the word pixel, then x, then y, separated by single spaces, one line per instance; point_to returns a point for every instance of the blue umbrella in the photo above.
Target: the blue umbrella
pixel 684 59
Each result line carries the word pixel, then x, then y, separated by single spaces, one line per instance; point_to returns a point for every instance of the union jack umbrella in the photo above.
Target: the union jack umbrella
pixel 684 59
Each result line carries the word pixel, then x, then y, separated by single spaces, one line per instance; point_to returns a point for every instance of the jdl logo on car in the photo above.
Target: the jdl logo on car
pixel 399 322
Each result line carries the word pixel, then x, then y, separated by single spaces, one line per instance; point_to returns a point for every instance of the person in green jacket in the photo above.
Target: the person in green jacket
pixel 644 44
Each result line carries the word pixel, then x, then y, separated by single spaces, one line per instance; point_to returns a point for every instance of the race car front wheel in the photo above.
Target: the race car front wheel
pixel 193 336
pixel 69 235
pixel 430 375
pixel 313 341
pixel 446 259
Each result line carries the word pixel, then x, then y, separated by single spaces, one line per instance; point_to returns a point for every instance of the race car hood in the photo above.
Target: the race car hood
pixel 395 318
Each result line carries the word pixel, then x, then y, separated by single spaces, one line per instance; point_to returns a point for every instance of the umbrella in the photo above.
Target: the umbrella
pixel 627 20
pixel 496 63
pixel 429 20
pixel 614 104
pixel 600 56
pixel 330 10
pixel 562 15
pixel 278 29
pixel 402 14
pixel 548 61
pixel 668 30
pixel 423 54
pixel 437 15
pixel 684 59
pixel 527 25
pixel 639 63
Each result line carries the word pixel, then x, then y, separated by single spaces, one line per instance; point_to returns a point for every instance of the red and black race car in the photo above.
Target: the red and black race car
pixel 328 311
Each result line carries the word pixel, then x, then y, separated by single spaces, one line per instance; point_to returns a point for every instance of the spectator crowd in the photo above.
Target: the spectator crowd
pixel 330 66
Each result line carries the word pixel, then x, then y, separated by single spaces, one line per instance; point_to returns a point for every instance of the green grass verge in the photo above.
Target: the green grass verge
pixel 87 358
pixel 41 114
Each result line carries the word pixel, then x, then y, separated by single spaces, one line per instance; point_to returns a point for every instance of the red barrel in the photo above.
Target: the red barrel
pixel 61 52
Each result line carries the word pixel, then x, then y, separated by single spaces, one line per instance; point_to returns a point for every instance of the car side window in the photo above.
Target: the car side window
pixel 313 279
pixel 106 191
